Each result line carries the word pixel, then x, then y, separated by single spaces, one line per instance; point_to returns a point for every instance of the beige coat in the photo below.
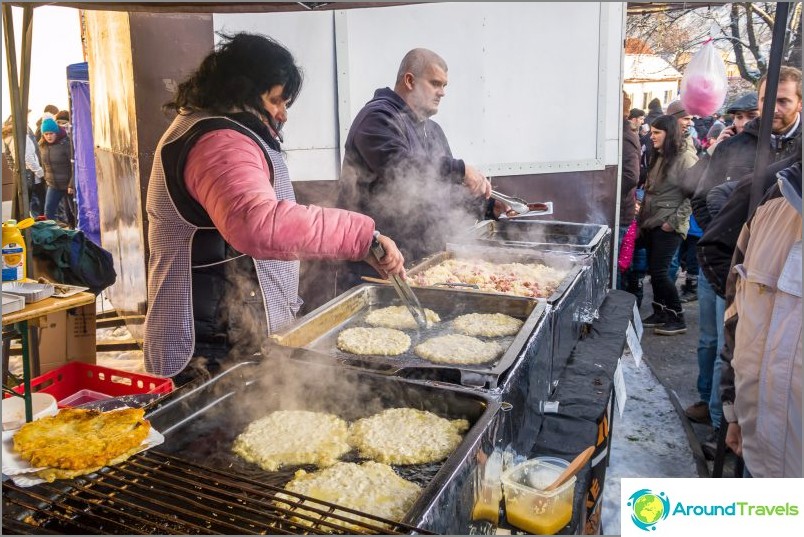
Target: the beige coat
pixel 767 341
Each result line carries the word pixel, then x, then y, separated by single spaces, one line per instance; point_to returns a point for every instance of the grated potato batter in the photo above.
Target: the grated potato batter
pixel 406 436
pixel 487 324
pixel 293 437
pixel 371 487
pixel 378 341
pixel 458 349
pixel 399 317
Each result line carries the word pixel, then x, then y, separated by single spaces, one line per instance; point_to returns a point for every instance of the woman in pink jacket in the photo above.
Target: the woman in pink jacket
pixel 225 232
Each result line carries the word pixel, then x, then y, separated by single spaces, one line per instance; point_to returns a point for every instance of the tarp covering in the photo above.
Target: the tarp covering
pixel 86 184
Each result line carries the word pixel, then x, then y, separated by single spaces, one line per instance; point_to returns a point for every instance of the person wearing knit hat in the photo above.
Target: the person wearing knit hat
pixel 57 162
pixel 50 125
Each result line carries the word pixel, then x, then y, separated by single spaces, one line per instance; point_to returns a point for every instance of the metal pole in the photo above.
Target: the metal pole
pixel 18 116
pixel 769 104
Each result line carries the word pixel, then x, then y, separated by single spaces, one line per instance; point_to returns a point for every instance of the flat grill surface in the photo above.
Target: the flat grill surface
pixel 581 237
pixel 319 331
pixel 155 493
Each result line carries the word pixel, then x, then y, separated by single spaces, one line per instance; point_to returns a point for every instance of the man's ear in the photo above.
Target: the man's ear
pixel 409 80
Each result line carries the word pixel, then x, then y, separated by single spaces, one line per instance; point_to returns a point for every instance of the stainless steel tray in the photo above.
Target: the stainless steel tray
pixel 319 330
pixel 201 424
pixel 497 254
pixel 541 234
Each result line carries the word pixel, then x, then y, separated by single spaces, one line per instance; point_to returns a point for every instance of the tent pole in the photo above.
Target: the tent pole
pixel 19 82
pixel 769 105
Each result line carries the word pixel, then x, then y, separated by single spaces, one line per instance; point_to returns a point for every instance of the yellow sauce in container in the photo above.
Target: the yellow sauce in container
pixel 539 520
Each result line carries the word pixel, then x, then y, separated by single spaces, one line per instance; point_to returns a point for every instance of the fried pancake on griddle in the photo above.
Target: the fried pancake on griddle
pixel 79 439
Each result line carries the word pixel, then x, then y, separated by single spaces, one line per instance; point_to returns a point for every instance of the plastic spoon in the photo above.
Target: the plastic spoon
pixel 573 468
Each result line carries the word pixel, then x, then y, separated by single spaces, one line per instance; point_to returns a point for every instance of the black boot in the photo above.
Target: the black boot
pixel 689 291
pixel 675 324
pixel 658 318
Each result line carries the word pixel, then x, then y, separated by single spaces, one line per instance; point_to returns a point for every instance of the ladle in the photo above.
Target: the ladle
pixel 573 468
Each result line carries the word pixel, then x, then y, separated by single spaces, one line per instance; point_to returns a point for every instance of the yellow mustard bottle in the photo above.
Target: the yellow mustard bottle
pixel 14 268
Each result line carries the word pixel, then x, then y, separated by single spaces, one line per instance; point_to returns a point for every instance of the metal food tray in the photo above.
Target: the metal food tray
pixel 319 330
pixel 541 234
pixel 502 256
pixel 202 424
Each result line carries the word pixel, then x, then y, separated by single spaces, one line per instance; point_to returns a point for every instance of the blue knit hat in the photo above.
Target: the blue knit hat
pixel 49 125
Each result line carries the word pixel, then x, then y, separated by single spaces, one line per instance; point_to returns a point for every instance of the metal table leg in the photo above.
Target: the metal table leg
pixel 22 327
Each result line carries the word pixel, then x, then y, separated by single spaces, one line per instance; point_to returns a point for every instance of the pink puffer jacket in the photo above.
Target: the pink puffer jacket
pixel 226 172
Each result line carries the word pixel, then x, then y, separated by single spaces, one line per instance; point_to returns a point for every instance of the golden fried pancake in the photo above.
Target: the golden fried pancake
pixel 458 349
pixel 370 487
pixel 378 341
pixel 487 324
pixel 293 437
pixel 78 439
pixel 406 436
pixel 399 317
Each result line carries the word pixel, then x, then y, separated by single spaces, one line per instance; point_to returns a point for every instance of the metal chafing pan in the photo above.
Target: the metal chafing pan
pixel 540 234
pixel 319 330
pixel 500 255
pixel 201 424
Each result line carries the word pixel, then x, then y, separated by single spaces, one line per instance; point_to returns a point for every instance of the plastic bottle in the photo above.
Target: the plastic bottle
pixel 14 268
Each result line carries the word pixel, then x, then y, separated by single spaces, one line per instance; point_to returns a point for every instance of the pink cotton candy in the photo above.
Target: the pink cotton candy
pixel 702 95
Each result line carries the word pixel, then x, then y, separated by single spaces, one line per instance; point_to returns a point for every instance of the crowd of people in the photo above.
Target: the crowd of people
pixel 48 167
pixel 686 191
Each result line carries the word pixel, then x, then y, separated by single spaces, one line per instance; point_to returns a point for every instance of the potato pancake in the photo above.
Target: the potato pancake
pixel 377 341
pixel 487 324
pixel 458 349
pixel 399 317
pixel 79 439
pixel 370 487
pixel 293 437
pixel 406 436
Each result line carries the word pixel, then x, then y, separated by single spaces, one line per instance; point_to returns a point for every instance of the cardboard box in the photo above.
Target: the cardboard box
pixel 67 336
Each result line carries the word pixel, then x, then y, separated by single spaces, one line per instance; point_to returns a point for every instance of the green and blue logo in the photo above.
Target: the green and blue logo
pixel 648 508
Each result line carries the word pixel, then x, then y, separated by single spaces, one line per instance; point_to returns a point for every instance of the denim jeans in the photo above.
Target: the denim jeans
pixel 711 309
pixel 52 200
pixel 662 246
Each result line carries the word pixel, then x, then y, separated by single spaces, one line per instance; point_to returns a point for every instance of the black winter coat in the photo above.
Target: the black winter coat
pixel 734 158
pixel 716 247
pixel 630 174
pixel 57 162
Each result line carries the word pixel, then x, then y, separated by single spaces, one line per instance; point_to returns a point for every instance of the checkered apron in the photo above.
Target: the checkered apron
pixel 169 330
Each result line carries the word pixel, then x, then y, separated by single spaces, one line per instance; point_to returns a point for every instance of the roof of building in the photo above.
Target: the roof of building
pixel 648 67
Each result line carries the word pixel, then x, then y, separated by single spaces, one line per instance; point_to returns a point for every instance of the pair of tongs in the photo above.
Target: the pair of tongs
pixel 403 290
pixel 518 205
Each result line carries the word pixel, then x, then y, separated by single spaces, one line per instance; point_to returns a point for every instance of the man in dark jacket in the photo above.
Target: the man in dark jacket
pixel 398 167
pixel 630 174
pixel 654 111
pixel 716 247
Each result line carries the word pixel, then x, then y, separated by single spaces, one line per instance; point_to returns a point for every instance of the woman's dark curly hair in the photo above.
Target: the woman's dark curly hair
pixel 237 73
pixel 671 147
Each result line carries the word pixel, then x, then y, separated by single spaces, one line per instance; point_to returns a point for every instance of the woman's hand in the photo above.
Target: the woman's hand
pixel 392 264
pixel 734 438
pixel 70 190
pixel 667 227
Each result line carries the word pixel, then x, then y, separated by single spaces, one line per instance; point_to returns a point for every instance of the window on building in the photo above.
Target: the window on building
pixel 668 97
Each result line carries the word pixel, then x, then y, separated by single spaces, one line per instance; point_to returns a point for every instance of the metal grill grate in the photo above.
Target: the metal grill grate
pixel 154 493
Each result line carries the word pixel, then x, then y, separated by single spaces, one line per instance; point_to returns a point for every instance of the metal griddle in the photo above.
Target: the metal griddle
pixel 318 331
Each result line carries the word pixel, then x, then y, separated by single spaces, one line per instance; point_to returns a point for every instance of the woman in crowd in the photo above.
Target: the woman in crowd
pixel 55 149
pixel 225 231
pixel 664 221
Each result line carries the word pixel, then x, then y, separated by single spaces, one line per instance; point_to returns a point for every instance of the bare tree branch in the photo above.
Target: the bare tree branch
pixel 762 14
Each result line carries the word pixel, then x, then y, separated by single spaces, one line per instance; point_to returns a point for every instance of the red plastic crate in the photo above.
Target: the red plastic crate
pixel 76 376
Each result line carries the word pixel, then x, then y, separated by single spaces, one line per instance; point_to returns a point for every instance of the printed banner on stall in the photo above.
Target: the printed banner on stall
pixel 711 506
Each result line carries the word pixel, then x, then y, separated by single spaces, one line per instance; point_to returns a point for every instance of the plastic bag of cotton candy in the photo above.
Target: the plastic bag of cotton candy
pixel 704 84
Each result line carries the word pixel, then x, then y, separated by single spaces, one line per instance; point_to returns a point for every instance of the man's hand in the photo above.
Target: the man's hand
pixel 70 190
pixel 392 264
pixel 734 439
pixel 476 182
pixel 667 227
pixel 728 132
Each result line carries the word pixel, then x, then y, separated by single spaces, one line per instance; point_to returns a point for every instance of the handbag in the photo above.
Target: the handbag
pixel 626 254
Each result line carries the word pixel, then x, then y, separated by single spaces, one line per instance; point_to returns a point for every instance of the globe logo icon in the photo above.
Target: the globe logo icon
pixel 648 508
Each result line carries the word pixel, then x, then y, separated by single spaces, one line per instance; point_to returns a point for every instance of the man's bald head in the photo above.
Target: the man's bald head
pixel 421 81
pixel 417 61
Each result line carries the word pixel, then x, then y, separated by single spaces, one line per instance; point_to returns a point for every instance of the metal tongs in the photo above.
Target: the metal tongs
pixel 403 290
pixel 519 205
